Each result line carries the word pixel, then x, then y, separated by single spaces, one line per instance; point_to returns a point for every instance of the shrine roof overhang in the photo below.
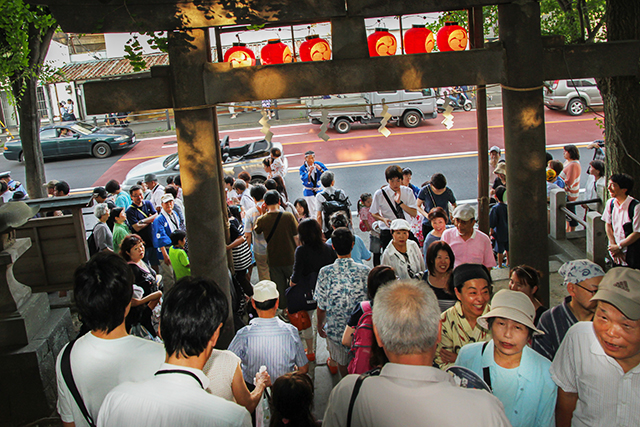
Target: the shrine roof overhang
pixel 107 16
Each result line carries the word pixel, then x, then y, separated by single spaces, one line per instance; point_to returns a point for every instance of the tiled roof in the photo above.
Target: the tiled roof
pixel 101 68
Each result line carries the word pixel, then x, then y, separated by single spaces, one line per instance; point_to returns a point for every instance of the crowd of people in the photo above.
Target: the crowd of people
pixel 404 315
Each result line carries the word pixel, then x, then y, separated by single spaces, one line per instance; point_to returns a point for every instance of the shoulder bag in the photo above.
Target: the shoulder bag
pixel 65 367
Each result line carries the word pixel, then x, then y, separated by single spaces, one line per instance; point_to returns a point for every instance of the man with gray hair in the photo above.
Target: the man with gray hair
pixel 330 201
pixel 409 390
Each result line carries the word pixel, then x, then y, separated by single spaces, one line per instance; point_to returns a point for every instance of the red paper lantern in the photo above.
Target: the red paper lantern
pixel 240 56
pixel 382 43
pixel 452 37
pixel 275 52
pixel 315 49
pixel 418 39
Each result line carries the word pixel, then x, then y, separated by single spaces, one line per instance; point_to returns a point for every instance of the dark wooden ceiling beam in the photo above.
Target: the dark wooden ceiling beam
pixel 109 16
pixel 481 66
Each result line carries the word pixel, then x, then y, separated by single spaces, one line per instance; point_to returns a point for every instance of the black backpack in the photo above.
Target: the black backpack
pixel 91 243
pixel 338 201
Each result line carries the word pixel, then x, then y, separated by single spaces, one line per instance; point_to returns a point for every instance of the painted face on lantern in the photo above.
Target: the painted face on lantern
pixel 286 55
pixel 429 43
pixel 240 59
pixel 458 40
pixel 320 51
pixel 386 46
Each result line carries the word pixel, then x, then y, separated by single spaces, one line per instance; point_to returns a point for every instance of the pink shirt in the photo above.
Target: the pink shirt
pixel 476 250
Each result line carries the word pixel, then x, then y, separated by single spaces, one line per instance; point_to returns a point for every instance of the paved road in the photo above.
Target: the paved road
pixel 358 157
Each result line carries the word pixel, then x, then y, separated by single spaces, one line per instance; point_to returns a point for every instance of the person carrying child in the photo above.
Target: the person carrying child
pixel 277 163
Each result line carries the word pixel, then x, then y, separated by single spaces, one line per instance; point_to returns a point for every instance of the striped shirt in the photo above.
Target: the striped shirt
pixel 606 395
pixel 269 342
pixel 571 176
pixel 555 323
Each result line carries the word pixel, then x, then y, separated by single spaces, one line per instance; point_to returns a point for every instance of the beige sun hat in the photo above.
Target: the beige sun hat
pixel 501 168
pixel 512 305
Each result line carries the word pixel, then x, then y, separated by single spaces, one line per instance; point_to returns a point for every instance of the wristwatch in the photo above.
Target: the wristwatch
pixel 400 202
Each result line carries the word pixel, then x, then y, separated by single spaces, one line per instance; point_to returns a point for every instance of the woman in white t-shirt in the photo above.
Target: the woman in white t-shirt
pixel 226 380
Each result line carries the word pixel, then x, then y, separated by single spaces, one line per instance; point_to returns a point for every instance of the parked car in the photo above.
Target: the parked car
pixel 69 138
pixel 407 107
pixel 235 160
pixel 574 95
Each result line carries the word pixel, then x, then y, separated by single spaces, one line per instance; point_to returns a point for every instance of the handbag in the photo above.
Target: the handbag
pixel 300 297
pixel 300 320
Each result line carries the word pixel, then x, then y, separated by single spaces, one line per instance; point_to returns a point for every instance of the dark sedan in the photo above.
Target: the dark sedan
pixel 70 138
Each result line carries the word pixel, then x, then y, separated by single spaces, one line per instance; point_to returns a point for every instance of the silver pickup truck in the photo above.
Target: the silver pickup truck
pixel 406 107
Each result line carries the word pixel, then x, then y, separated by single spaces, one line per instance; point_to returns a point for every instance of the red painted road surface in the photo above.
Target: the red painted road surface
pixel 365 143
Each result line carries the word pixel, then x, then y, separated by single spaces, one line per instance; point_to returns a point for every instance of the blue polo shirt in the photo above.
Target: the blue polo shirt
pixel 527 392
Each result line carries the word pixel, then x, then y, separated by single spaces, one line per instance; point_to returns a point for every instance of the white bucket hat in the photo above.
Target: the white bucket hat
pixel 400 224
pixel 512 305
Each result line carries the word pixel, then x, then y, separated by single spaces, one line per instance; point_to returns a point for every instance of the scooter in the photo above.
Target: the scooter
pixel 457 100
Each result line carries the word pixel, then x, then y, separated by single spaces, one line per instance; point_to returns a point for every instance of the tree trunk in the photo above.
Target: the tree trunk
pixel 30 137
pixel 621 95
pixel 24 91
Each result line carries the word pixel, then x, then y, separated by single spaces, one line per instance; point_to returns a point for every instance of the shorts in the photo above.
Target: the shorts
pixel 500 247
pixel 338 352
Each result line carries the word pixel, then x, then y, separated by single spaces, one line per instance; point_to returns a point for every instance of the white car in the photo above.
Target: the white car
pixel 235 160
pixel 574 95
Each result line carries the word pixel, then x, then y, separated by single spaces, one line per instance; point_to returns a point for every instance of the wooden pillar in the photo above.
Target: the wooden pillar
pixel 524 134
pixel 200 163
pixel 349 38
pixel 477 42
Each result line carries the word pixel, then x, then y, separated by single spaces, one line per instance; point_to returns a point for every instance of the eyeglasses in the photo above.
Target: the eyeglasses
pixel 588 290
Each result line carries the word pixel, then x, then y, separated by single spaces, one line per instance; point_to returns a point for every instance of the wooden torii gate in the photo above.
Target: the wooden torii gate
pixel 192 85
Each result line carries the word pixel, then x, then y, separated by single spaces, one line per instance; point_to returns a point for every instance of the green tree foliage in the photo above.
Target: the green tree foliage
pixel 579 21
pixel 17 57
pixel 25 35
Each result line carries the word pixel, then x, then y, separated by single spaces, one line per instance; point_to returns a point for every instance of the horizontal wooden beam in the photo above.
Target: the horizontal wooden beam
pixel 128 94
pixel 108 16
pixel 481 66
pixel 376 8
pixel 621 58
pixel 226 84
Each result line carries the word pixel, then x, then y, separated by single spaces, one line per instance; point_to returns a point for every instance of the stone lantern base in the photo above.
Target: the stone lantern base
pixel 31 336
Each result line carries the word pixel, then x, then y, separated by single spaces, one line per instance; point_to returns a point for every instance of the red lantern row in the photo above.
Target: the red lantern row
pixel 275 52
pixel 418 40
pixel 381 43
